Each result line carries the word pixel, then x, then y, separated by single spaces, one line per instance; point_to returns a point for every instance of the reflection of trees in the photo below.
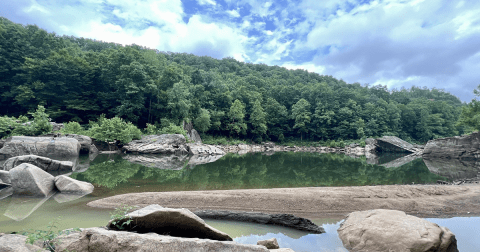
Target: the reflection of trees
pixel 262 171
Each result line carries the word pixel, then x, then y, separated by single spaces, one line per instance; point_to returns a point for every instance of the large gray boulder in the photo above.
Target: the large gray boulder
pixel 85 142
pixel 174 222
pixel 101 240
pixel 168 162
pixel 192 134
pixel 158 144
pixel 269 244
pixel 69 185
pixel 391 230
pixel 393 144
pixel 44 163
pixel 16 243
pixel 41 146
pixel 459 147
pixel 29 180
pixel 285 220
pixel 5 177
pixel 204 149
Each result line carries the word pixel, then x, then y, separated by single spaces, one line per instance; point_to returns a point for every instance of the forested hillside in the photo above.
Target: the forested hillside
pixel 78 79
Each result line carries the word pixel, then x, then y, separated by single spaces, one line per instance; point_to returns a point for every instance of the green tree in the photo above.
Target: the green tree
pixel 202 122
pixel 257 120
pixel 302 115
pixel 236 116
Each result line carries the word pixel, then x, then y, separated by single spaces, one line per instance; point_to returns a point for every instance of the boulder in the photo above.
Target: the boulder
pixel 57 126
pixel 158 144
pixel 167 162
pixel 85 142
pixel 5 177
pixel 29 180
pixel 269 244
pixel 16 243
pixel 282 250
pixel 5 192
pixel 204 149
pixel 192 134
pixel 393 144
pixel 174 222
pixel 66 184
pixel 459 147
pixel 392 230
pixel 99 239
pixel 41 146
pixel 286 220
pixel 43 163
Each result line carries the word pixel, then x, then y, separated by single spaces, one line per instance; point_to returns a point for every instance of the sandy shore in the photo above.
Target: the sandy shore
pixel 318 202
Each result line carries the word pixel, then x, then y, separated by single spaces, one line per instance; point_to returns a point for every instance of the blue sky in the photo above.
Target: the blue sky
pixel 398 43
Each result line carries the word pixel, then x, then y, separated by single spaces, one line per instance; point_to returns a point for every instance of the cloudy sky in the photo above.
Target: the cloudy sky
pixel 398 43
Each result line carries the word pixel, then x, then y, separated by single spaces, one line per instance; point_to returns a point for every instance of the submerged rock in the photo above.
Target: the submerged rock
pixel 391 230
pixel 43 163
pixel 158 144
pixel 99 239
pixel 41 146
pixel 286 220
pixel 29 180
pixel 174 222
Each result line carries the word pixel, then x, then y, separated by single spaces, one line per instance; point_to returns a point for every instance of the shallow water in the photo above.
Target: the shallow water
pixel 113 175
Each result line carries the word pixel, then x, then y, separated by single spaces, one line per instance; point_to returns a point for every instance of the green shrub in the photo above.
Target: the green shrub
pixel 47 236
pixel 72 128
pixel 173 129
pixel 119 216
pixel 341 144
pixel 151 129
pixel 41 124
pixel 7 126
pixel 113 129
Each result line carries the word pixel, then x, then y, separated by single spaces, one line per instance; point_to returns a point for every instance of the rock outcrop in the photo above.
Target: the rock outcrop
pixel 168 162
pixel 68 185
pixel 459 147
pixel 29 180
pixel 99 239
pixel 203 149
pixel 5 177
pixel 393 144
pixel 6 192
pixel 286 220
pixel 192 134
pixel 85 142
pixel 16 243
pixel 158 144
pixel 41 146
pixel 269 244
pixel 44 163
pixel 391 230
pixel 174 222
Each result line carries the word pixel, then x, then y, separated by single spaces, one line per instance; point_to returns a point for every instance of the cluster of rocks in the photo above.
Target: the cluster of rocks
pixel 152 228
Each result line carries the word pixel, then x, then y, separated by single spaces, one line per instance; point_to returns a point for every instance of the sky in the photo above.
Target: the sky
pixel 397 43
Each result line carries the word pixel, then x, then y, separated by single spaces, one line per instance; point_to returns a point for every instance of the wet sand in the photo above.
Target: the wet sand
pixel 317 202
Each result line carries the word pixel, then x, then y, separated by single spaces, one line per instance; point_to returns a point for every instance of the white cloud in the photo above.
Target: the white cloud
pixel 233 13
pixel 312 68
pixel 204 2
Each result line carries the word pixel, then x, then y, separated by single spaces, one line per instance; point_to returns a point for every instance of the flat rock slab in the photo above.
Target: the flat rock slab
pixel 16 243
pixel 286 220
pixel 101 240
pixel 204 149
pixel 158 144
pixel 393 144
pixel 390 230
pixel 44 163
pixel 459 147
pixel 174 222
pixel 41 146
pixel 29 180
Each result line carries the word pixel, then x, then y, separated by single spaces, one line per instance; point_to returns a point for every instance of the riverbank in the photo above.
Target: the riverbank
pixel 317 202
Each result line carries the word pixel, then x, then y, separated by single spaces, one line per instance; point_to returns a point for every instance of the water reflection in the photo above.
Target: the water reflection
pixel 20 208
pixel 454 169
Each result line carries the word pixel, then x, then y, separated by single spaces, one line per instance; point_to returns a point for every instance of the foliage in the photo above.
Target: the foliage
pixel 72 128
pixel 151 129
pixel 114 129
pixel 7 126
pixel 173 129
pixel 119 216
pixel 202 122
pixel 48 237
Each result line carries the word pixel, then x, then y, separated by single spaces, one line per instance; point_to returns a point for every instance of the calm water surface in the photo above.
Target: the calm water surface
pixel 114 174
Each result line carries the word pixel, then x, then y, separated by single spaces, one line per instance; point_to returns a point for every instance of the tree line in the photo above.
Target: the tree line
pixel 79 79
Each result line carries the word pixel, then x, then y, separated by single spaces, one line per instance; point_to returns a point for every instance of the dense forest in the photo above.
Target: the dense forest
pixel 78 79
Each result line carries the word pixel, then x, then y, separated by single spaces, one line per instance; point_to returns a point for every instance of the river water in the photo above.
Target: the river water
pixel 118 174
